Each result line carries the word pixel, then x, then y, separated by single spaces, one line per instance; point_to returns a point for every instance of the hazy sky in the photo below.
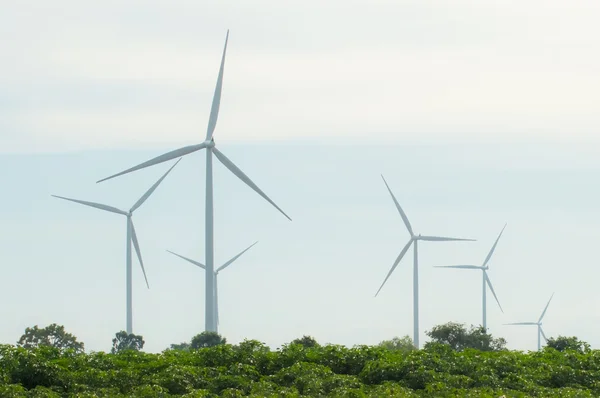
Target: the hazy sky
pixel 478 113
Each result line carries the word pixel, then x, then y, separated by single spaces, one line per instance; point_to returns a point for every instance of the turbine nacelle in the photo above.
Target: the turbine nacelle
pixel 209 143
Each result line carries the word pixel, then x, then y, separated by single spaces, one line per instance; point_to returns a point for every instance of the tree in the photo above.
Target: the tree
pixel 180 347
pixel 459 338
pixel 207 339
pixel 51 336
pixel 306 341
pixel 563 343
pixel 124 341
pixel 404 344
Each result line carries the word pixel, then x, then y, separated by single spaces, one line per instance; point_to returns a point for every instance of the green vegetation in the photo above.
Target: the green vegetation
pixel 303 368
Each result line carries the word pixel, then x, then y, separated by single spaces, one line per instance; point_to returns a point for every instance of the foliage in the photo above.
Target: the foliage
pixel 562 343
pixel 403 344
pixel 306 341
pixel 459 338
pixel 181 346
pixel 51 336
pixel 124 342
pixel 207 339
pixel 252 369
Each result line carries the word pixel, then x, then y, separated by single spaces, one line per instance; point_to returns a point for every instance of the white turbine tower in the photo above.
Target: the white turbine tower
pixel 413 240
pixel 538 324
pixel 215 274
pixel 486 280
pixel 209 145
pixel 131 238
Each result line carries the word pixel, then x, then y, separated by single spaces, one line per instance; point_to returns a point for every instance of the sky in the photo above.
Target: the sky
pixel 477 113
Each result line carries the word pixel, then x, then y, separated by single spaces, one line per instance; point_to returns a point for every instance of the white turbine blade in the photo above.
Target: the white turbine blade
pixel 159 159
pixel 96 205
pixel 543 334
pixel 228 263
pixel 493 247
pixel 522 323
pixel 136 245
pixel 544 313
pixel 152 189
pixel 402 213
pixel 458 266
pixel 402 253
pixel 441 239
pixel 189 260
pixel 240 174
pixel 489 283
pixel 214 110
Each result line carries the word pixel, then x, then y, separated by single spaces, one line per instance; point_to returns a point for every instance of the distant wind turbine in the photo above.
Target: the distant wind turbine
pixel 216 273
pixel 131 237
pixel 413 240
pixel 539 325
pixel 486 280
pixel 209 145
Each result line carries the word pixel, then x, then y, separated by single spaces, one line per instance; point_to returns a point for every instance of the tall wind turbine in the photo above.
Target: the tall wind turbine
pixel 413 240
pixel 215 274
pixel 539 325
pixel 486 280
pixel 131 238
pixel 209 145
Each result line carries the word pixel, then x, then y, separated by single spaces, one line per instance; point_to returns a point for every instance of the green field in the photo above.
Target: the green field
pixel 252 369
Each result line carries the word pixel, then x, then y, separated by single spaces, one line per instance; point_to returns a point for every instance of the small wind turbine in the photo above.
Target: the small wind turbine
pixel 486 280
pixel 221 268
pixel 538 323
pixel 413 240
pixel 209 145
pixel 131 237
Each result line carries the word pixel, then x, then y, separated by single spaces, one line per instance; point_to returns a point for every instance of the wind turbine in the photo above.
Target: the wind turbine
pixel 221 268
pixel 538 323
pixel 209 145
pixel 131 238
pixel 486 280
pixel 413 240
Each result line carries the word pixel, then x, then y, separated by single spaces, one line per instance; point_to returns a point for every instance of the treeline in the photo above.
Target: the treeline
pixel 457 362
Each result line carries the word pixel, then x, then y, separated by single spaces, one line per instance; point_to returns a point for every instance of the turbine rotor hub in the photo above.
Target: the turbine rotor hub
pixel 210 143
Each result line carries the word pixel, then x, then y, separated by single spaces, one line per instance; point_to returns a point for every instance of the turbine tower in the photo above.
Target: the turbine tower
pixel 539 325
pixel 413 240
pixel 221 268
pixel 209 145
pixel 131 238
pixel 486 279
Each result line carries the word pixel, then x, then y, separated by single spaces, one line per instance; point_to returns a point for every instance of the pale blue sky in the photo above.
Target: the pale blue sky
pixel 477 115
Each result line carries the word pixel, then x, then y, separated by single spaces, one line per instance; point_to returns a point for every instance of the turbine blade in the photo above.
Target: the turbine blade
pixel 152 189
pixel 543 334
pixel 544 313
pixel 159 159
pixel 214 110
pixel 402 253
pixel 228 263
pixel 92 204
pixel 136 245
pixel 458 266
pixel 402 213
pixel 240 174
pixel 521 323
pixel 441 239
pixel 189 260
pixel 489 283
pixel 493 247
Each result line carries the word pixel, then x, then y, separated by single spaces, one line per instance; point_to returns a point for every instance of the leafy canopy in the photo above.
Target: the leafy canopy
pixel 51 336
pixel 207 339
pixel 459 338
pixel 126 342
